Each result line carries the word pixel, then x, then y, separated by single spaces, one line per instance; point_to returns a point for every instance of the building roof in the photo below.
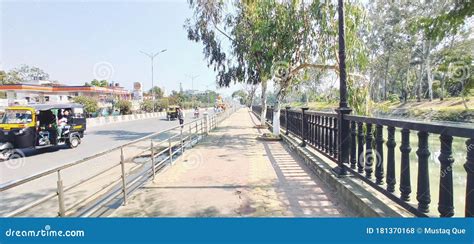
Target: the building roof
pixel 42 107
pixel 62 88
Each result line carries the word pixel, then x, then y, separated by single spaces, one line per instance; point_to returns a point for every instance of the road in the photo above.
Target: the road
pixel 97 139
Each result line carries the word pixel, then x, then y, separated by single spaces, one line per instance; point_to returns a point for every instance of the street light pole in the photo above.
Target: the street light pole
pixel 192 87
pixel 152 57
pixel 343 136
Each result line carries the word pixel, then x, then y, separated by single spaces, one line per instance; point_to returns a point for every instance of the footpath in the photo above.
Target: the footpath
pixel 232 174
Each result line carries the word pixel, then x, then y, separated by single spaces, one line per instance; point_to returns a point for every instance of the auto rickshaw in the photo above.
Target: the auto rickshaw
pixel 171 112
pixel 40 126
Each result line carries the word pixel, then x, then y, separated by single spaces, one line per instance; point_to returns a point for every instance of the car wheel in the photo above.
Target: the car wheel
pixel 73 142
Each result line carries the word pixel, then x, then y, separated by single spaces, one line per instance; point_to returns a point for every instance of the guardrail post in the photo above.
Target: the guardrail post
pixel 286 120
pixel 303 123
pixel 206 123
pixel 181 140
pixel 170 151
pixel 124 183
pixel 152 158
pixel 60 192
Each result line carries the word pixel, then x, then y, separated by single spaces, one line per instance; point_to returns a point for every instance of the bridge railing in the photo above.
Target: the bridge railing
pixel 373 157
pixel 116 171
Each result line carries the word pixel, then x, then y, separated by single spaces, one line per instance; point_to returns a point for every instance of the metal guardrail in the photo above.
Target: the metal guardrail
pixel 158 157
pixel 368 162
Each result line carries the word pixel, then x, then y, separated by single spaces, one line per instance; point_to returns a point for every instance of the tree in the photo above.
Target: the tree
pixel 124 106
pixel 22 74
pixel 95 82
pixel 241 95
pixel 90 104
pixel 158 92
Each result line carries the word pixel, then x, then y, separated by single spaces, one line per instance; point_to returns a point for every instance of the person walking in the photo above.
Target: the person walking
pixel 180 116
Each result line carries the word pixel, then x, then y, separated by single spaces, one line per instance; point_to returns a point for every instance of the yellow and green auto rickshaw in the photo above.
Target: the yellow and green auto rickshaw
pixel 172 112
pixel 40 126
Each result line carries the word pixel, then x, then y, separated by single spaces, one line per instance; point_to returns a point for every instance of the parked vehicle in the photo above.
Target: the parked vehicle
pixel 40 126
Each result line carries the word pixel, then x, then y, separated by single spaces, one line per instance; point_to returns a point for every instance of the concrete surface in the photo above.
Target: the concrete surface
pixel 231 174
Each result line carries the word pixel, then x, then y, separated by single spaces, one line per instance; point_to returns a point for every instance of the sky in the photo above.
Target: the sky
pixel 78 41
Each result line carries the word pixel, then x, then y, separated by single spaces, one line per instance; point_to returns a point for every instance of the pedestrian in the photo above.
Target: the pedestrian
pixel 180 116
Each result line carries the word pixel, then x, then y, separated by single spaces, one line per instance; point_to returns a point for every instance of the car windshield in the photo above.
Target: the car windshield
pixel 17 117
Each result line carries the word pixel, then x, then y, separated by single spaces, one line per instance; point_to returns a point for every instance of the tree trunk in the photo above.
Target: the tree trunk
pixel 264 103
pixel 428 72
pixel 276 117
pixel 420 84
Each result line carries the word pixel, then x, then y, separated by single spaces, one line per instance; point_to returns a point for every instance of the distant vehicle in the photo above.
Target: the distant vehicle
pixel 171 112
pixel 40 126
pixel 196 113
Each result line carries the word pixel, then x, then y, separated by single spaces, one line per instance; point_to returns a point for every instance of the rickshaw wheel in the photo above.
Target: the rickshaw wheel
pixel 73 142
pixel 16 154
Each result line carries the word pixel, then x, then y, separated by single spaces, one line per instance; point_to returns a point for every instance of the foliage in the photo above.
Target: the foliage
pixel 90 104
pixel 95 82
pixel 22 74
pixel 157 91
pixel 124 106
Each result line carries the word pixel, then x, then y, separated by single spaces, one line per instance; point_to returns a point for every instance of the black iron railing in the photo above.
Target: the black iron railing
pixel 373 151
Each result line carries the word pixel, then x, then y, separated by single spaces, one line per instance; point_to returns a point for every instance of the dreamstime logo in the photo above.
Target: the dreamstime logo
pixel 280 69
pixel 103 71
pixel 192 159
pixel 372 155
pixel 459 71
pixel 16 160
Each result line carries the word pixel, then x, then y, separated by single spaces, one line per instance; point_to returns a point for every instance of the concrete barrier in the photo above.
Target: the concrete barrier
pixel 93 122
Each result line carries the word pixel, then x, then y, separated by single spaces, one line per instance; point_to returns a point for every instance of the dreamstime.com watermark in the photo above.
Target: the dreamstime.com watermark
pixel 46 232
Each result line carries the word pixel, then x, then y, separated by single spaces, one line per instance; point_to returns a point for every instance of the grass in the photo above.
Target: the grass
pixel 450 109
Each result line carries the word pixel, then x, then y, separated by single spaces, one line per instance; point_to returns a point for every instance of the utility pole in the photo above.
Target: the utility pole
pixel 152 57
pixel 192 87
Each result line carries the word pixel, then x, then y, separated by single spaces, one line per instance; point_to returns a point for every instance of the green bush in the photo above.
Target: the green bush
pixel 147 106
pixel 124 106
pixel 393 98
pixel 90 104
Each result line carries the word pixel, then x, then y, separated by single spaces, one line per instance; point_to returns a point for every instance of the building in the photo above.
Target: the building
pixel 28 93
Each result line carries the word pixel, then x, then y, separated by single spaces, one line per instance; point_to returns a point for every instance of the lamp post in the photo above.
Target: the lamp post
pixel 343 136
pixel 152 57
pixel 192 87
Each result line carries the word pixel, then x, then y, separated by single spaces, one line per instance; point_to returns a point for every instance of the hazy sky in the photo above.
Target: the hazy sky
pixel 68 39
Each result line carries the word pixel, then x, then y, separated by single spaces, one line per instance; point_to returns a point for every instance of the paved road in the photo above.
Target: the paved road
pixel 97 139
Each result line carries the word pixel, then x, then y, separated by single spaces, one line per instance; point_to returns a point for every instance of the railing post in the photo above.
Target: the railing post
pixel 353 145
pixel 369 152
pixel 445 204
pixel 181 140
pixel 152 150
pixel 423 179
pixel 124 183
pixel 360 147
pixel 391 144
pixel 405 185
pixel 286 120
pixel 379 152
pixel 303 123
pixel 206 123
pixel 60 192
pixel 469 167
pixel 170 151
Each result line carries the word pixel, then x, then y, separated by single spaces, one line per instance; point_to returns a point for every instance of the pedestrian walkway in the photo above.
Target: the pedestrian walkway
pixel 231 174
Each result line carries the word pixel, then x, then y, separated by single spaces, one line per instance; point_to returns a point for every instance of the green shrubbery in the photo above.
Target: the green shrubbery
pixel 90 104
pixel 124 106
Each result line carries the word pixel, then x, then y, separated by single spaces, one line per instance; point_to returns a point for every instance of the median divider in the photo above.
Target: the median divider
pixel 93 122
